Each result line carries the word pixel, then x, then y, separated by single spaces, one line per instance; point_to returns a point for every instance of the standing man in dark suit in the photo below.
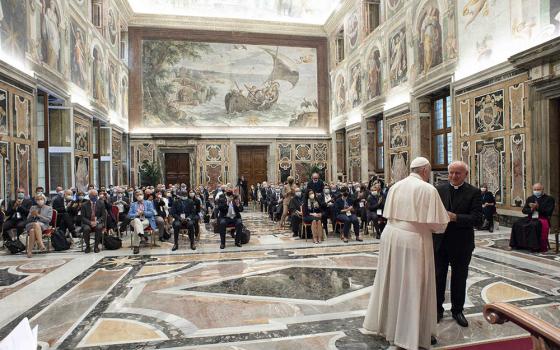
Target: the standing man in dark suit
pixel 316 184
pixel 243 190
pixel 455 246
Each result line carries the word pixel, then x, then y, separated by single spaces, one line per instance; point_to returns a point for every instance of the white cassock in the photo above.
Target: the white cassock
pixel 402 306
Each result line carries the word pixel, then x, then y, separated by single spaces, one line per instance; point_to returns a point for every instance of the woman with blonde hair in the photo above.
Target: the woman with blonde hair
pixel 38 220
pixel 312 213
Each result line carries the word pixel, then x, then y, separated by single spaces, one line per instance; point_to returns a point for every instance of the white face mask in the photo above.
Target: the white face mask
pixel 139 198
pixel 298 194
pixel 311 196
pixel 191 195
pixel 40 202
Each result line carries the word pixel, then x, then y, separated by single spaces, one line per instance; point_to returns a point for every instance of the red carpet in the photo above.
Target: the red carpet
pixel 510 344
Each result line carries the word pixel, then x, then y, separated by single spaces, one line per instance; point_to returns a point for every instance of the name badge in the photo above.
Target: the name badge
pixel 121 208
pixel 182 216
pixel 535 215
pixel 18 215
pixel 79 212
pixel 348 213
pixel 361 204
pixel 379 212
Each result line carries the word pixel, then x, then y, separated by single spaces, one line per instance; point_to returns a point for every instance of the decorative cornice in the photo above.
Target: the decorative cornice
pixel 125 9
pixel 544 53
pixel 336 18
pixel 482 77
pixel 225 24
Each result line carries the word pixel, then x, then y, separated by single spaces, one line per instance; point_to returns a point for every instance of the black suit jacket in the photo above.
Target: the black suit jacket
pixel 22 209
pixel 466 204
pixel 546 205
pixel 181 206
pixel 100 212
pixel 316 187
pixel 223 208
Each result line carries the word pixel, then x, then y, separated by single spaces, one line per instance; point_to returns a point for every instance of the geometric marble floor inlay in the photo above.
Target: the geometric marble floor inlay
pixel 274 293
pixel 296 283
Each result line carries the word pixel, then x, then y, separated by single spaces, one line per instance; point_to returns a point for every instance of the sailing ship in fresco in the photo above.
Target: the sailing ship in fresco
pixel 263 98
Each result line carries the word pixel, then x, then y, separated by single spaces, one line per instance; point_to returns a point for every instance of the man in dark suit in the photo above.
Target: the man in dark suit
pixel 243 190
pixel 344 211
pixel 294 209
pixel 94 216
pixel 229 208
pixel 488 207
pixel 316 184
pixel 17 211
pixel 184 215
pixel 455 246
pixel 65 213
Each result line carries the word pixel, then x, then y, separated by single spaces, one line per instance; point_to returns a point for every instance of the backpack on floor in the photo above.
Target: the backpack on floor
pixel 59 241
pixel 14 246
pixel 112 242
pixel 245 235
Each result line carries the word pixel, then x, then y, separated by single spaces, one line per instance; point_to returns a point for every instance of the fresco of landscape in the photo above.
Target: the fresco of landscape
pixel 194 84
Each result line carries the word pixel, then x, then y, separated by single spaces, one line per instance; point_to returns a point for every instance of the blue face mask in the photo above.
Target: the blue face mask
pixel 93 198
pixel 537 194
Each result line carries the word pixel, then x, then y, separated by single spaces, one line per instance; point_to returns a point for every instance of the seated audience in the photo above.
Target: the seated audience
pixel 123 203
pixel 161 214
pixel 531 232
pixel 229 208
pixel 17 211
pixel 374 205
pixel 183 212
pixel 94 217
pixel 488 208
pixel 197 211
pixel 345 213
pixel 142 215
pixel 40 215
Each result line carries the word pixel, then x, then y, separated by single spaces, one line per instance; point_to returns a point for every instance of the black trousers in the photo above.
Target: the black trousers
pixel 66 221
pixel 224 223
pixel 178 225
pixel 124 221
pixel 348 222
pixel 296 224
pixel 459 259
pixel 18 224
pixel 86 230
pixel 327 214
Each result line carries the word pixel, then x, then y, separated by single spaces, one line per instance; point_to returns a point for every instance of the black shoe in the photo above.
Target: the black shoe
pixel 222 246
pixel 345 240
pixel 378 236
pixel 193 247
pixel 433 340
pixel 439 316
pixel 491 229
pixel 461 320
pixel 175 247
pixel 96 249
pixel 136 250
pixel 359 239
pixel 238 245
pixel 87 250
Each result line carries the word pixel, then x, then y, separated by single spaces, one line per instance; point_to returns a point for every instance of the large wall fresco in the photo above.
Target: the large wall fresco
pixel 13 28
pixel 189 84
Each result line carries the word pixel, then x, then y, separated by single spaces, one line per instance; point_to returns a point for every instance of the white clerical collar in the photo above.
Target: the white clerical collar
pixel 457 187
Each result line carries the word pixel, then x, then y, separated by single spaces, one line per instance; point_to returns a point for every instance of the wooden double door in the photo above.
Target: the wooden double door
pixel 252 163
pixel 177 168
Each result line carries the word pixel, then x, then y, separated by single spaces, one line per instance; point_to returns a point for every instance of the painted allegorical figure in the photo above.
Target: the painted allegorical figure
pixel 78 68
pixel 50 35
pixel 340 95
pixel 98 77
pixel 429 48
pixel 374 74
pixel 399 64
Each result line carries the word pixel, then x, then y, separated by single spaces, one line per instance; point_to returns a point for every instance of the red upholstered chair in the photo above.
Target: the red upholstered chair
pixel 115 214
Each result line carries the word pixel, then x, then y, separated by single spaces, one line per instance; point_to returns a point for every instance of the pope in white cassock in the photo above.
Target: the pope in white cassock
pixel 402 307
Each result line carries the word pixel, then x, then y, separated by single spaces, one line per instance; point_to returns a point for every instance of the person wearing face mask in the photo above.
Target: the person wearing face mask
pixel 345 212
pixel 142 214
pixel 316 184
pixel 532 231
pixel 455 246
pixel 262 198
pixel 94 216
pixel 229 208
pixel 161 215
pixel 488 208
pixel 65 213
pixel 328 199
pixel 122 202
pixel 184 215
pixel 40 191
pixel 275 204
pixel 295 212
pixel 40 215
pixel 197 211
pixel 374 205
pixel 312 210
pixel 16 215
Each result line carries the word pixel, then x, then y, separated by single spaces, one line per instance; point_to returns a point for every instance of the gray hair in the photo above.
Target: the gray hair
pixel 460 163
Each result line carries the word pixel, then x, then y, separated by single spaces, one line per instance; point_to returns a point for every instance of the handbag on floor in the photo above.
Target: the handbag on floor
pixel 112 242
pixel 59 241
pixel 14 246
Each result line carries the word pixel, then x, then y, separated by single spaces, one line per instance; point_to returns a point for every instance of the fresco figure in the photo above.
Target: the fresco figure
pixel 429 47
pixel 50 34
pixel 78 66
pixel 98 77
pixel 374 74
pixel 399 63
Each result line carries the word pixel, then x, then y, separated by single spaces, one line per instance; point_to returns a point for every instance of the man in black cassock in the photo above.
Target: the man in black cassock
pixel 455 246
pixel 243 190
